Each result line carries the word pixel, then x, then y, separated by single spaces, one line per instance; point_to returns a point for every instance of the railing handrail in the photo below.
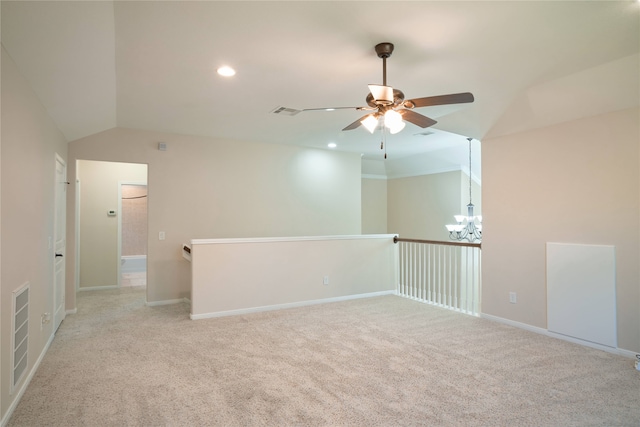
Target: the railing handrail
pixel 437 242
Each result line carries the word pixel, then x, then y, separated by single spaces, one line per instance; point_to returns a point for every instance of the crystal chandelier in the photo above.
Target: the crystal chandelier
pixel 468 227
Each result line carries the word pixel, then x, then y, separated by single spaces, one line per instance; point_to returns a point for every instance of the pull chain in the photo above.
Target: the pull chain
pixel 383 146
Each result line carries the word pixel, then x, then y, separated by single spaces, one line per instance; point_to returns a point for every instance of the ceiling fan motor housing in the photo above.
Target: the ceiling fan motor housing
pixel 398 99
pixel 384 50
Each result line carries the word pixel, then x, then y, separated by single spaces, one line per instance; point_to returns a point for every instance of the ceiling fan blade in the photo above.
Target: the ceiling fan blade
pixel 356 123
pixel 417 119
pixel 454 98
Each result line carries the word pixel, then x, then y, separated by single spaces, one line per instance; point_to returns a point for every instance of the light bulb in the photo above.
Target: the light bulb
pixel 370 122
pixel 392 118
pixel 396 128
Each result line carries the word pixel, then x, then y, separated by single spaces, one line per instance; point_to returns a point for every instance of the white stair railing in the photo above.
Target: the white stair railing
pixel 446 274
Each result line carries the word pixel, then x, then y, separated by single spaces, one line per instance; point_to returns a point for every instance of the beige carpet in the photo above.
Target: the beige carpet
pixel 384 361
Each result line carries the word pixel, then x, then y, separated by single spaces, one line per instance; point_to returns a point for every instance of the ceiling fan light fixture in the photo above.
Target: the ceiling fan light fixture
pixel 370 122
pixel 393 121
pixel 382 95
pixel 392 118
pixel 396 128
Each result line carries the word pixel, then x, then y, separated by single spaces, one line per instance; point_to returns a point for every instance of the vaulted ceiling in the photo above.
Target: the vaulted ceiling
pixel 152 65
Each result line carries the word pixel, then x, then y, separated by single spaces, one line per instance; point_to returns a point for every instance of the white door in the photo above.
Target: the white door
pixel 59 235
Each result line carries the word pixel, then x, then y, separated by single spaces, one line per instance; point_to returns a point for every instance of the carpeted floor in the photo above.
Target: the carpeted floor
pixel 385 361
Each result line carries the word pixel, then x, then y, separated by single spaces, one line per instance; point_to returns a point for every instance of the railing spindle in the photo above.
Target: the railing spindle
pixel 419 269
pixel 450 271
pixel 448 277
pixel 412 271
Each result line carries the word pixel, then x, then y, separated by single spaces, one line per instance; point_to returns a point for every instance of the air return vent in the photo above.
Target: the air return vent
pixel 20 330
pixel 423 134
pixel 285 111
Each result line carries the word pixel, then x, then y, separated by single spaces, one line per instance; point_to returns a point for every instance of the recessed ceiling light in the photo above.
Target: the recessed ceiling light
pixel 332 145
pixel 226 71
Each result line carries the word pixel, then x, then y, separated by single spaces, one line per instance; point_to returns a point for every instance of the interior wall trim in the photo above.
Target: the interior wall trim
pixel 288 305
pixel 290 239
pixel 97 288
pixel 167 302
pixel 620 351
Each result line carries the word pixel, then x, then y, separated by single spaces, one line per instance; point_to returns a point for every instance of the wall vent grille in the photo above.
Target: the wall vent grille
pixel 20 330
pixel 285 111
pixel 423 134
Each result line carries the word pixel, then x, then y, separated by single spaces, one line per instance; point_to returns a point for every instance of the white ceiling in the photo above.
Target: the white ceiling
pixel 151 65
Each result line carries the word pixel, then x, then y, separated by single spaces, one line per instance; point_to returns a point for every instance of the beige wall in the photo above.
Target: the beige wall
pixel 231 277
pixel 210 188
pixel 374 206
pixel 576 182
pixel 30 141
pixel 99 182
pixel 419 207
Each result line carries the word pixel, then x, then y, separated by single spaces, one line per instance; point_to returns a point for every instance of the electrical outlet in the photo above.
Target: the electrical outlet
pixel 44 319
pixel 513 298
pixel 161 235
pixel 325 280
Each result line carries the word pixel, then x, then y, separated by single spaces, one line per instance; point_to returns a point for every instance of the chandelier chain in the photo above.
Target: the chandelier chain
pixel 469 139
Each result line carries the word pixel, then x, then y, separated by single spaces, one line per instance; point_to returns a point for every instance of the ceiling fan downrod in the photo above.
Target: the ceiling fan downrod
pixel 384 50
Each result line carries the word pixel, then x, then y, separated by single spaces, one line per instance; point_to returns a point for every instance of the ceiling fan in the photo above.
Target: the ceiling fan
pixel 389 104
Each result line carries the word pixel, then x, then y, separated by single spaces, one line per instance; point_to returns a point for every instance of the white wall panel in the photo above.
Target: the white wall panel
pixel 581 292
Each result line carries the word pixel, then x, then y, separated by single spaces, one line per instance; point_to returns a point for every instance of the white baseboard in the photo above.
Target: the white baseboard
pixel 25 383
pixel 628 353
pixel 287 305
pixel 72 311
pixel 98 288
pixel 167 302
pixel 542 331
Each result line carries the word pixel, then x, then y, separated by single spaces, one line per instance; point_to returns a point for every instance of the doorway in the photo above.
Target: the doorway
pixel 99 218
pixel 59 242
pixel 132 232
